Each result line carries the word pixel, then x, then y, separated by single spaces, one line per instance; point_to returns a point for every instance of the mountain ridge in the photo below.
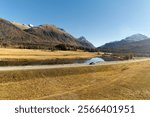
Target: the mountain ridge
pixel 13 34
pixel 85 42
pixel 136 37
pixel 137 44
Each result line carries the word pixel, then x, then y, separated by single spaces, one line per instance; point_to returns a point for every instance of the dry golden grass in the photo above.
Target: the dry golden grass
pixel 29 54
pixel 118 81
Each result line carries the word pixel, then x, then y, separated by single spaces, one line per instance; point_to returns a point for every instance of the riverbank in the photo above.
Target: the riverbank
pixel 128 80
pixel 41 67
pixel 21 57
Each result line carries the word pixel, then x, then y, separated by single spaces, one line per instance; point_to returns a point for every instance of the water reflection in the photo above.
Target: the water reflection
pixel 94 60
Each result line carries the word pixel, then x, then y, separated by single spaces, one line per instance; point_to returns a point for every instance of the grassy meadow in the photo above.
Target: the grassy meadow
pixel 117 81
pixel 10 57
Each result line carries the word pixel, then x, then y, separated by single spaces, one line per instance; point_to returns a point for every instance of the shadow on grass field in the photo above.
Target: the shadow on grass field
pixel 118 81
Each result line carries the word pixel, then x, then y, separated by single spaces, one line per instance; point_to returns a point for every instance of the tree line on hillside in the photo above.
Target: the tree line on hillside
pixel 64 47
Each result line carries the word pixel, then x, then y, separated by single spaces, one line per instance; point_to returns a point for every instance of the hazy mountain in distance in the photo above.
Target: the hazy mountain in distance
pixel 138 44
pixel 136 37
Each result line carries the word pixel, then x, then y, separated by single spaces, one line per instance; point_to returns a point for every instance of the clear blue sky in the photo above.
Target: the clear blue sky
pixel 100 21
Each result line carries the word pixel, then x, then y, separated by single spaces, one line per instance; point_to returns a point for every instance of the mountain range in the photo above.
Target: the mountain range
pixel 17 35
pixel 137 44
pixel 46 36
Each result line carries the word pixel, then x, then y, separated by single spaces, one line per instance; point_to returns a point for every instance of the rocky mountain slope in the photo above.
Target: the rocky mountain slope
pixel 137 44
pixel 53 35
pixel 22 26
pixel 83 41
pixel 14 34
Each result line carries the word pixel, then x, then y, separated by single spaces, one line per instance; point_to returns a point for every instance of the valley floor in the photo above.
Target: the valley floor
pixel 34 54
pixel 126 80
pixel 18 57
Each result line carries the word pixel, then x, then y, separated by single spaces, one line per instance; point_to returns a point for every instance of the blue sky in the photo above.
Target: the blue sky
pixel 100 21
